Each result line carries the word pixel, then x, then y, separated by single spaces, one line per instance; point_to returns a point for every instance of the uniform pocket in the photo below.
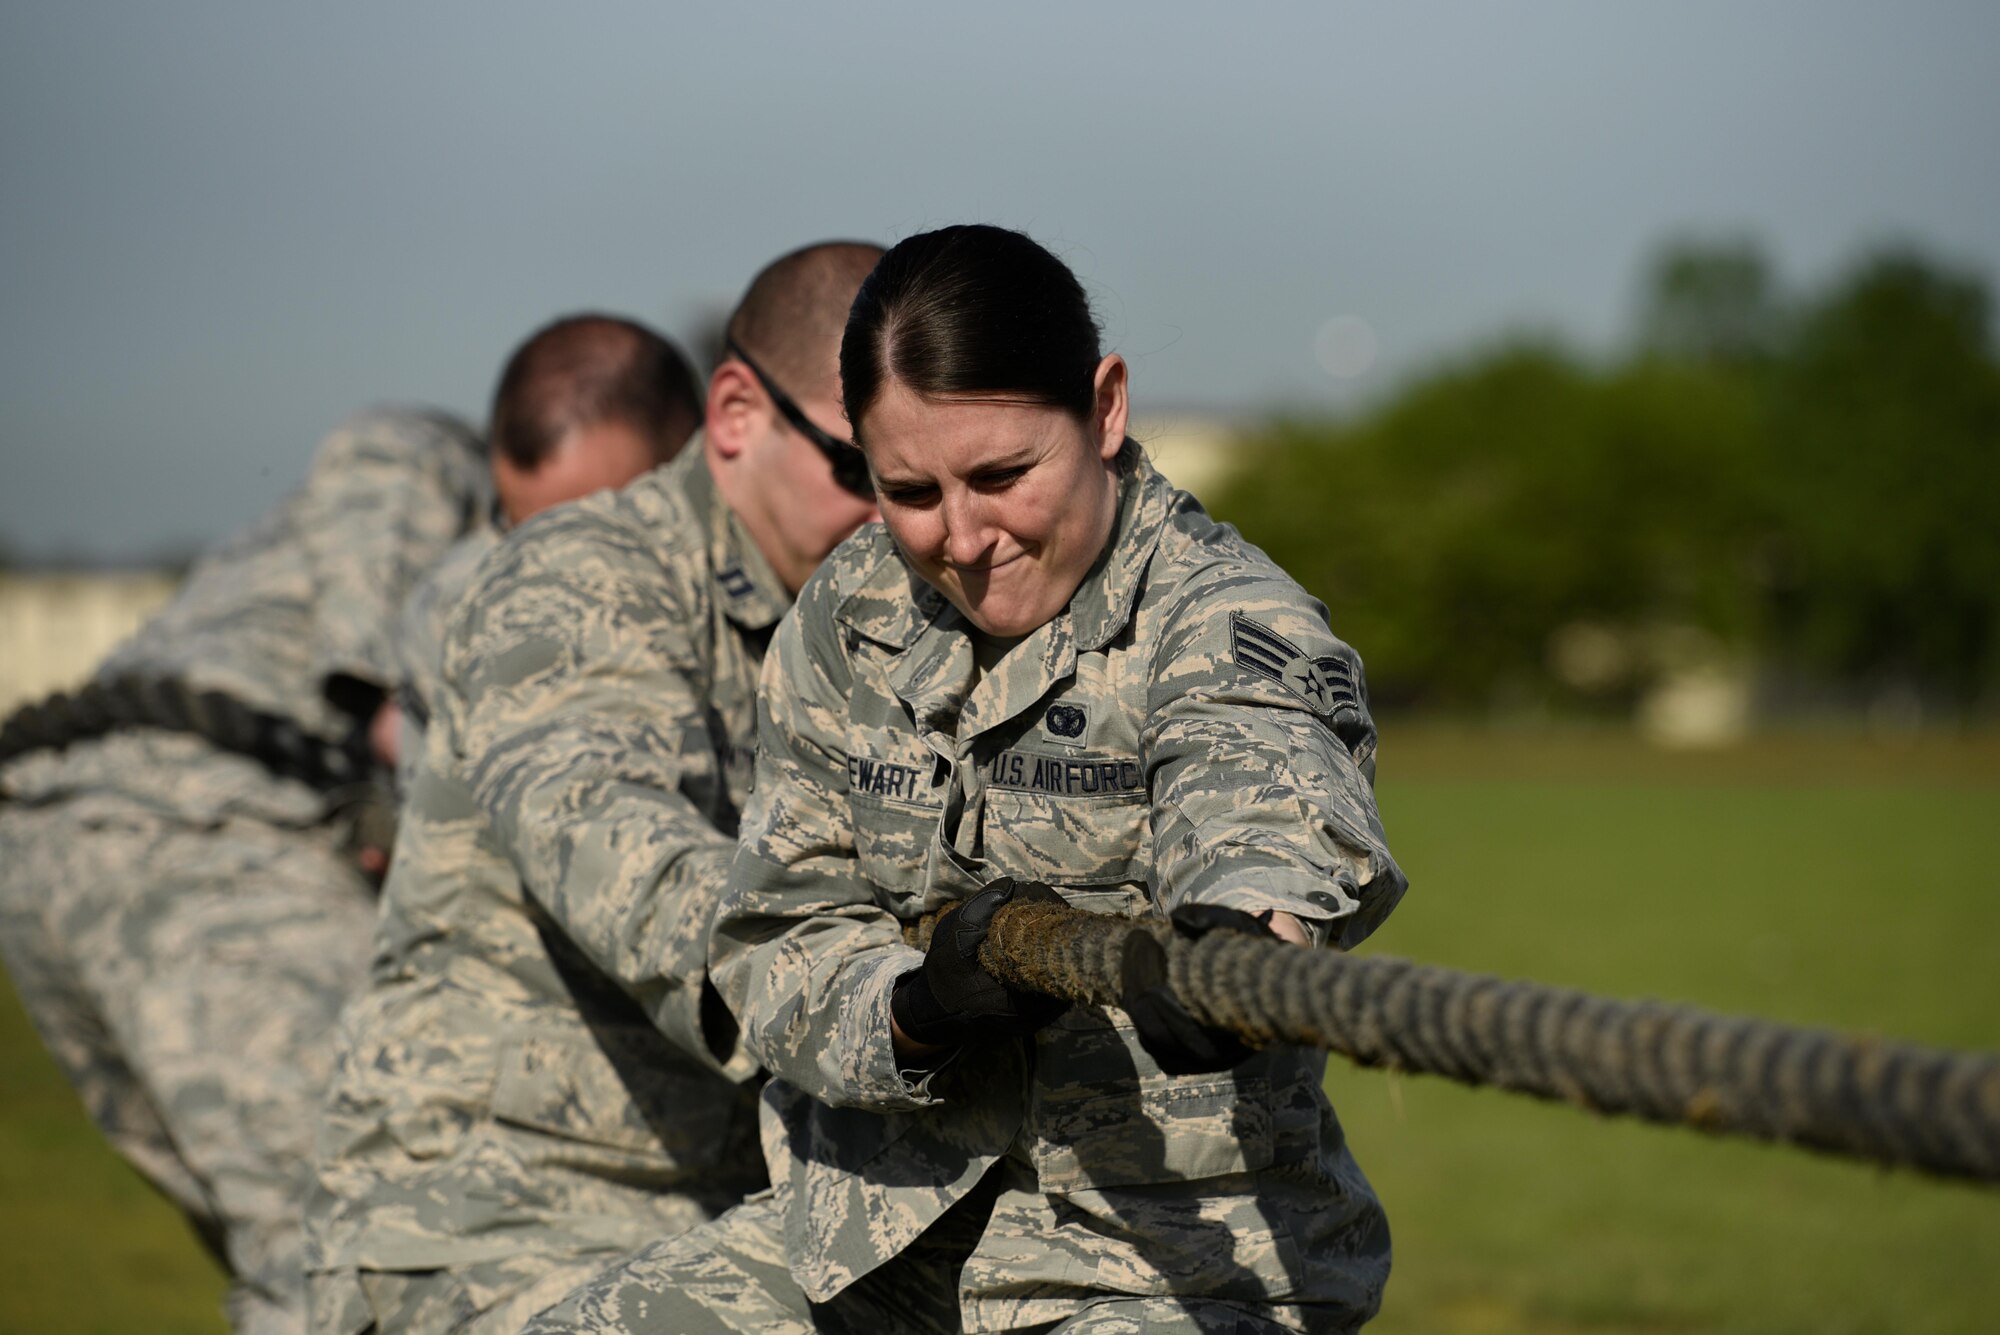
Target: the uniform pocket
pixel 403 1300
pixel 1178 1131
pixel 650 1101
pixel 893 843
pixel 1069 841
pixel 1127 901
pixel 336 1304
pixel 426 1096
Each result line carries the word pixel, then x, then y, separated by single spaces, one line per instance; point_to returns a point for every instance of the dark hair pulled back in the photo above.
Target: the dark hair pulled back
pixel 971 310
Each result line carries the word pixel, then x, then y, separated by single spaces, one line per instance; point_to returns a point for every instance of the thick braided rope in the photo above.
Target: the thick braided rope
pixel 1896 1103
pixel 135 700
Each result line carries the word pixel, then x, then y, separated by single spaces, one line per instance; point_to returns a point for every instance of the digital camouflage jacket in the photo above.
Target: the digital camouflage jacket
pixel 537 1065
pixel 1187 730
pixel 420 640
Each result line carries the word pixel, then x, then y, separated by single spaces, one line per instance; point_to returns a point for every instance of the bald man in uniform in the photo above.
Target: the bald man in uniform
pixel 586 403
pixel 539 1076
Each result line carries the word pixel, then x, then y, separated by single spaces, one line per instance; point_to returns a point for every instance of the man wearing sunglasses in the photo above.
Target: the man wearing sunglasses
pixel 539 1076
pixel 850 466
pixel 796 486
pixel 585 403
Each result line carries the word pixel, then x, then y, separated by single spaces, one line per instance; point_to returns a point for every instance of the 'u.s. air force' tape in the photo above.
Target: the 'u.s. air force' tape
pixel 1326 683
pixel 1067 775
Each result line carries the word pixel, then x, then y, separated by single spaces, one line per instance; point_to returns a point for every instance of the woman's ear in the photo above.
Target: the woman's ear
pixel 1112 407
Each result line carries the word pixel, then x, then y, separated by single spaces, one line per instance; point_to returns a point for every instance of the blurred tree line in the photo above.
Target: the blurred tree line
pixel 1806 486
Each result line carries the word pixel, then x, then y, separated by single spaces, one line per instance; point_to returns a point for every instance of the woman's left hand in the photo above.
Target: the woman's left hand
pixel 1181 1044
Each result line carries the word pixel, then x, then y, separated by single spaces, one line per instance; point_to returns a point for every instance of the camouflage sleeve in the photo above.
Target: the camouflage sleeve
pixel 802 951
pixel 419 641
pixel 425 614
pixel 387 493
pixel 419 648
pixel 1262 756
pixel 575 693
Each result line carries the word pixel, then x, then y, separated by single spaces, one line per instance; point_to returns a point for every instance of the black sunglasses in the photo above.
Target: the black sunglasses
pixel 850 465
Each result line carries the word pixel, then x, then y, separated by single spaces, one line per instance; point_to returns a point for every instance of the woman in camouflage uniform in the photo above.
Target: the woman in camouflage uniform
pixel 1048 668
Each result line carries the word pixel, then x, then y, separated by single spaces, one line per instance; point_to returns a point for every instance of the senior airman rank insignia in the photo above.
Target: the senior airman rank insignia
pixel 1326 684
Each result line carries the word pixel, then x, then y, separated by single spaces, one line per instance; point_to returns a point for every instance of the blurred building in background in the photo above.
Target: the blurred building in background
pixel 56 625
pixel 1196 450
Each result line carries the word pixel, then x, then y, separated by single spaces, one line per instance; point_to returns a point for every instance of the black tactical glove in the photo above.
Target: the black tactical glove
pixel 1181 1044
pixel 951 999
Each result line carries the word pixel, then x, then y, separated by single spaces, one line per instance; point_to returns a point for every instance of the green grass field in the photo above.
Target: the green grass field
pixel 1817 880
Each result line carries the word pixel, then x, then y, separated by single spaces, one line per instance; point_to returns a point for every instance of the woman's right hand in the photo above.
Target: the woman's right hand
pixel 952 1000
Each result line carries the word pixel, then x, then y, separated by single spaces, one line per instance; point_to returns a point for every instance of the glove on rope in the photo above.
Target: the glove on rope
pixel 952 1000
pixel 1181 1044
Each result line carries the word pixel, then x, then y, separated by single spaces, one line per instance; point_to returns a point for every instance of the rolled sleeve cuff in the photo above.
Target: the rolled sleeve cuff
pixel 873 1075
pixel 1320 927
pixel 1328 908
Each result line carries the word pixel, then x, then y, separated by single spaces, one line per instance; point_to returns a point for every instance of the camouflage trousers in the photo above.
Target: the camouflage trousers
pixel 480 1298
pixel 187 979
pixel 730 1278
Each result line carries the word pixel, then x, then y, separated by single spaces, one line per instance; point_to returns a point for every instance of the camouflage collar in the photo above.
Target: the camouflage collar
pixel 749 591
pixel 891 605
pixel 1103 603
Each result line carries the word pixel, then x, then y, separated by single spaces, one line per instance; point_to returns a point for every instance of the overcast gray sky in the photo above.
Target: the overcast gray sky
pixel 225 225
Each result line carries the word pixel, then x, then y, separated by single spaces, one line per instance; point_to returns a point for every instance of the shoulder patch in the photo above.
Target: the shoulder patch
pixel 1326 684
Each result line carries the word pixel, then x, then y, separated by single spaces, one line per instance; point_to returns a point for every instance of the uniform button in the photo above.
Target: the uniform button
pixel 1325 899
